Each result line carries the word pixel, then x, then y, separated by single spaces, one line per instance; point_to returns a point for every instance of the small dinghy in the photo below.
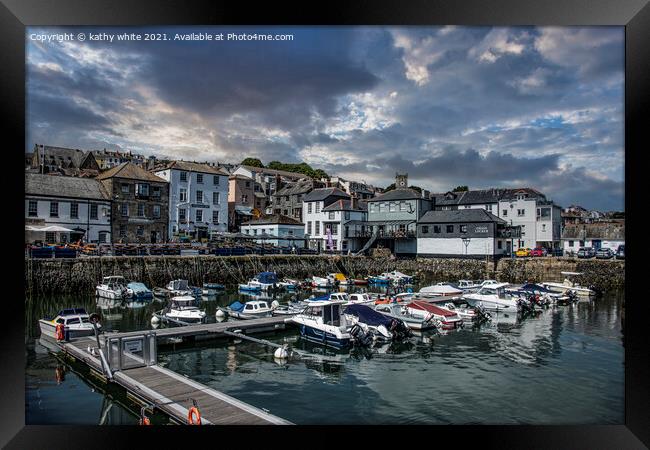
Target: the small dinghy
pixel 396 277
pixel 340 279
pixel 248 287
pixel 265 281
pixel 380 280
pixel 76 323
pixel 464 310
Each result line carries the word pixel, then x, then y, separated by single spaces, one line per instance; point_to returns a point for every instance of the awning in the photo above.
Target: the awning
pixel 380 222
pixel 54 228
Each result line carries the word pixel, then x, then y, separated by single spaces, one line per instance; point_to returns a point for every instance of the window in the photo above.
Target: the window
pixel 125 188
pixel 468 206
pixel 215 179
pixel 50 236
pixel 102 237
pixel 199 215
pixel 156 211
pixel 183 195
pixel 309 208
pixel 183 176
pixel 335 228
pixel 199 196
pixel 499 245
pixel 74 210
pixel 543 213
pixel 463 228
pixel 142 189
pixel 523 233
pixel 124 209
pixel 450 228
pixel 488 208
pixel 437 229
pixel 155 191
pixel 346 215
pixel 344 244
pixel 93 211
pixel 140 209
pixel 122 230
pixel 505 213
pixel 316 228
pixel 331 216
pixel 372 207
pixel 182 214
pixel 248 184
pixel 317 207
pixel 570 243
pixel 215 217
pixel 543 227
pixel 215 198
pixel 402 206
pixel 54 209
pixel 255 232
pixel 64 237
pixel 392 206
pixel 425 229
pixel 199 178
pixel 140 230
pixel 520 212
pixel 32 209
pixel 308 227
pixel 244 198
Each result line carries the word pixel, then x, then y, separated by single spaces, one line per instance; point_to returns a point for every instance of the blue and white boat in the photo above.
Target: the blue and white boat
pixel 265 281
pixel 322 322
pixel 380 279
pixel 212 288
pixel 248 287
pixel 250 310
pixel 140 291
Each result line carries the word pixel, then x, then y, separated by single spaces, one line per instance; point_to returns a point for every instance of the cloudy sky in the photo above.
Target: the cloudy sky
pixel 483 107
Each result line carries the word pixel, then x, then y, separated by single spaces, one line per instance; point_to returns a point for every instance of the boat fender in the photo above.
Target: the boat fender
pixel 193 416
pixel 60 332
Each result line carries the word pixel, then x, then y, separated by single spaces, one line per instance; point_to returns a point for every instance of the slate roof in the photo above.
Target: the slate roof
pixel 397 194
pixel 68 157
pixel 61 186
pixel 283 173
pixel 131 171
pixel 460 215
pixel 274 219
pixel 483 196
pixel 320 194
pixel 190 166
pixel 346 205
pixel 300 187
pixel 599 230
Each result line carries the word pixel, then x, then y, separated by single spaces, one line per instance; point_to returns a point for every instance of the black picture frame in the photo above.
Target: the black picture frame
pixel 15 15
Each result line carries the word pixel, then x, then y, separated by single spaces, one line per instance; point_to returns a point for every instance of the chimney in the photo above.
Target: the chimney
pixel 426 194
pixel 353 202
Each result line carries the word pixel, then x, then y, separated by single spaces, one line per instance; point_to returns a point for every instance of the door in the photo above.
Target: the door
pixel 153 237
pixel 596 244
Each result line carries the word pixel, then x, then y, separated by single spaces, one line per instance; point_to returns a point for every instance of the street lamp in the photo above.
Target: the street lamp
pixel 466 242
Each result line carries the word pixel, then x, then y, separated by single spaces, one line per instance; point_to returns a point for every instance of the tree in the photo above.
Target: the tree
pixel 253 162
pixel 460 189
pixel 392 186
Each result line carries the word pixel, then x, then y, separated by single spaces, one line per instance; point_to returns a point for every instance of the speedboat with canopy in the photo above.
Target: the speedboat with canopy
pixel 401 312
pixel 382 328
pixel 440 290
pixel 449 320
pixel 494 297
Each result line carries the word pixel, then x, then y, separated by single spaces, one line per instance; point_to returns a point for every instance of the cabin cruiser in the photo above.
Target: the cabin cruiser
pixel 413 321
pixel 339 278
pixel 212 288
pixel 398 277
pixel 449 320
pixel 440 290
pixel 265 281
pixel 321 282
pixel 323 323
pixel 182 308
pixel 113 287
pixel 382 328
pixel 493 297
pixel 569 285
pixel 140 291
pixel 254 309
pixel 76 322
pixel 179 288
pixel 469 285
pixel 361 298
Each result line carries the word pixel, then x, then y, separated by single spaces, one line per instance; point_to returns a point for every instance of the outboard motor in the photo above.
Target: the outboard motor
pixel 399 329
pixel 360 337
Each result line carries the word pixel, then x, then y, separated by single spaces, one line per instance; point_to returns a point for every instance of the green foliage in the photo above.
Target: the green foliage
pixel 253 162
pixel 302 167
pixel 390 187
pixel 461 189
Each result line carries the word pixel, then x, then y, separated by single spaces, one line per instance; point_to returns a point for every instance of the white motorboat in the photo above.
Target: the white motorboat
pixel 288 284
pixel 569 285
pixel 469 285
pixel 254 309
pixel 179 288
pixel 440 290
pixel 360 298
pixel 265 281
pixel 381 327
pixel 397 277
pixel 413 321
pixel 464 310
pixel 113 287
pixel 322 322
pixel 76 323
pixel 183 308
pixel 493 297
pixel 340 279
pixel 449 320
pixel 321 282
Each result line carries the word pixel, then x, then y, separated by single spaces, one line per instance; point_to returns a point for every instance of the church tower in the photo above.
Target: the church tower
pixel 401 181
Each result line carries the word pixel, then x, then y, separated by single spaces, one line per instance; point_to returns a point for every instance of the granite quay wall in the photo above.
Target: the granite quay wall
pixel 66 276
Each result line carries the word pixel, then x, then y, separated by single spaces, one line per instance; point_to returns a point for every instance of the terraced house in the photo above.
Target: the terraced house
pixel 140 204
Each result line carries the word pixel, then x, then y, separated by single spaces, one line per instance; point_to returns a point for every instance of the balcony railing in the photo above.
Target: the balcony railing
pixel 390 234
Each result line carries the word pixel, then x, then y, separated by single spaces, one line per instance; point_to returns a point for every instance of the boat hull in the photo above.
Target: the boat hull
pixel 49 329
pixel 106 293
pixel 323 337
pixel 560 288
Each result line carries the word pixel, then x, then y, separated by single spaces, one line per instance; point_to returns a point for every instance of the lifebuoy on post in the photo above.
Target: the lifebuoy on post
pixel 193 416
pixel 60 332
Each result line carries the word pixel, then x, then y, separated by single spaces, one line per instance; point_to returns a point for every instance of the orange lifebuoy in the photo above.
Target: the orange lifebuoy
pixel 145 421
pixel 60 333
pixel 191 416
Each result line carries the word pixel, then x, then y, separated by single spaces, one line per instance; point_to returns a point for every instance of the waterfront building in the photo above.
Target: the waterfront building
pixel 140 204
pixel 288 200
pixel 357 189
pixel 392 219
pixel 608 234
pixel 276 229
pixel 246 199
pixel 470 233
pixel 79 204
pixel 323 226
pixel 270 180
pixel 198 198
pixel 48 159
pixel 344 222
pixel 107 159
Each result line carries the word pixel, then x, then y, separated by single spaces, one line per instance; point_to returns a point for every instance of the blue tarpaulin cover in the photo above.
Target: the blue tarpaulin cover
pixel 267 277
pixel 535 287
pixel 236 306
pixel 368 315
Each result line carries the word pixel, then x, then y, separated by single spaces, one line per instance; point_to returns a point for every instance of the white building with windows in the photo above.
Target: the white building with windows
pixel 276 229
pixel 79 204
pixel 198 198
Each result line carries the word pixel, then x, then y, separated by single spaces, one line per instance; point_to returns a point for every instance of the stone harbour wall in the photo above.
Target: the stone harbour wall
pixel 66 276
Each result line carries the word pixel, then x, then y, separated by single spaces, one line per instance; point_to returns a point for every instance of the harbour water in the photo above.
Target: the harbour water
pixel 562 366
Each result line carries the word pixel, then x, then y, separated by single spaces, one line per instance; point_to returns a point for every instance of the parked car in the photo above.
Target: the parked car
pixel 556 252
pixel 523 252
pixel 586 252
pixel 620 252
pixel 539 251
pixel 604 253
